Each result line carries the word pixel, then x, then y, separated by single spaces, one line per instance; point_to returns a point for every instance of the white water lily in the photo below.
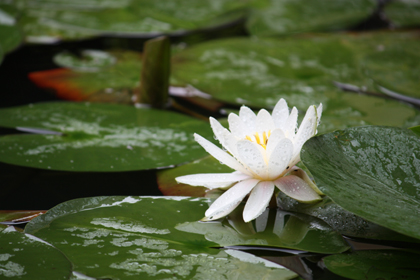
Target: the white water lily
pixel 263 149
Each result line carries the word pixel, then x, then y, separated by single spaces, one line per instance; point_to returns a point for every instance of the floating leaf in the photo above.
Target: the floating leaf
pixel 372 172
pixel 292 16
pixel 381 264
pixel 302 70
pixel 24 256
pixel 10 35
pixel 396 68
pixel 273 229
pixel 132 237
pixel 343 221
pixel 110 84
pixel 48 22
pixel 90 60
pixel 168 185
pixel 403 13
pixel 98 137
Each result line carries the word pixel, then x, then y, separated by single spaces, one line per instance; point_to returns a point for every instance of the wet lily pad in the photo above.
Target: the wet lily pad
pixel 132 237
pixel 98 137
pixel 381 264
pixel 302 70
pixel 370 171
pixel 168 185
pixel 343 221
pixel 292 16
pixel 403 13
pixel 396 68
pixel 51 21
pixel 10 35
pixel 24 256
pixel 112 81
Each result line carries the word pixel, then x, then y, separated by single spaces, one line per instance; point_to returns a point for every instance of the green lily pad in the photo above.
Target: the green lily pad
pixel 343 221
pixel 273 228
pixel 302 70
pixel 416 129
pixel 381 264
pixel 24 256
pixel 10 35
pixel 112 77
pixel 370 171
pixel 48 22
pixel 396 68
pixel 403 13
pixel 132 237
pixel 292 16
pixel 98 137
pixel 168 185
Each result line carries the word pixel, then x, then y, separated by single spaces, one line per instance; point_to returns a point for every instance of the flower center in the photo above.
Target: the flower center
pixel 260 138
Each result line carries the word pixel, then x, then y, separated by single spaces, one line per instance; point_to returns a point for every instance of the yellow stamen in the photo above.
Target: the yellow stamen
pixel 257 138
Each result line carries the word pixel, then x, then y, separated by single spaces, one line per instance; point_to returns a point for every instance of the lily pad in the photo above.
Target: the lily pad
pixel 132 237
pixel 302 70
pixel 112 82
pixel 403 13
pixel 396 68
pixel 98 137
pixel 343 221
pixel 381 264
pixel 24 256
pixel 168 185
pixel 370 171
pixel 48 22
pixel 292 16
pixel 10 35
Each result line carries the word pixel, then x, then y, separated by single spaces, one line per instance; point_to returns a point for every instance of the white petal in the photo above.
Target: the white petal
pixel 237 126
pixel 306 130
pixel 280 113
pixel 273 140
pixel 226 139
pixel 291 124
pixel 319 113
pixel 212 180
pixel 258 200
pixel 296 188
pixel 264 121
pixel 249 118
pixel 220 155
pixel 228 201
pixel 252 155
pixel 280 158
pixel 304 176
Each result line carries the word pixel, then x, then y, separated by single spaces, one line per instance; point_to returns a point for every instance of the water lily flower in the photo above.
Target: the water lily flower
pixel 263 149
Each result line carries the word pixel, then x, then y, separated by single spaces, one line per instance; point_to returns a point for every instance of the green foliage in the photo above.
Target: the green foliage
pixel 26 257
pixel 292 16
pixel 370 171
pixel 379 264
pixel 132 237
pixel 98 137
pixel 302 70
